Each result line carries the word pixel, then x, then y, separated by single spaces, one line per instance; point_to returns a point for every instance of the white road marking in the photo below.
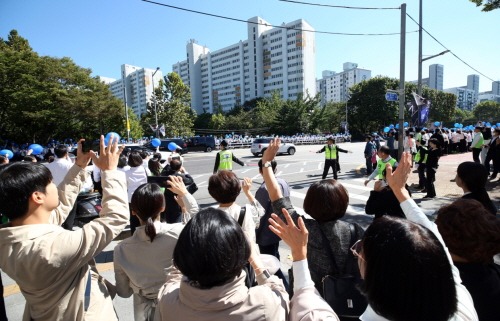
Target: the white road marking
pixel 358 210
pixel 320 165
pixel 286 165
pixel 201 184
pixel 246 170
pixel 301 170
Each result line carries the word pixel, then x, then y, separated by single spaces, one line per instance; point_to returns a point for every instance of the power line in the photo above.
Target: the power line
pixel 274 26
pixel 465 63
pixel 341 7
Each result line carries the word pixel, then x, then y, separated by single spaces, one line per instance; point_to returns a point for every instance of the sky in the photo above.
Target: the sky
pixel 104 34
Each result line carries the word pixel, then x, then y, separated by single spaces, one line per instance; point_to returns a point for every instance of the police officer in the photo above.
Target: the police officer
pixel 420 161
pixel 224 159
pixel 331 160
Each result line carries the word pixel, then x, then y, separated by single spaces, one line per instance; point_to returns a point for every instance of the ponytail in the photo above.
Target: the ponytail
pixel 150 229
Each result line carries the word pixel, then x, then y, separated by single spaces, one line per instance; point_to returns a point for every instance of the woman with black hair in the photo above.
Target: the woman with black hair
pixel 471 178
pixel 408 273
pixel 431 167
pixel 330 238
pixel 154 167
pixel 140 260
pixel 207 280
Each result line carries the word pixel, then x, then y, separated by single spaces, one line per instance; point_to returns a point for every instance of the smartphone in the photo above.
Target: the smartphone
pixel 89 144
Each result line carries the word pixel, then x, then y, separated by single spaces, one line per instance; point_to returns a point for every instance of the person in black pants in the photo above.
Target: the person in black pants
pixel 431 167
pixel 331 151
pixel 369 151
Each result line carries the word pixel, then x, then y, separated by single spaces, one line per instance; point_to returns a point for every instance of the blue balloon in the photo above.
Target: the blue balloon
pixel 498 124
pixel 37 149
pixel 397 126
pixel 405 123
pixel 391 126
pixel 108 135
pixel 488 125
pixel 386 129
pixel 455 125
pixel 436 123
pixel 7 153
pixel 156 142
pixel 172 146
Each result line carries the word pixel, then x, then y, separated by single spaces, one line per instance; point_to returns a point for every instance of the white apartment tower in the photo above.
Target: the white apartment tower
pixel 334 87
pixel 278 59
pixel 473 83
pixel 436 73
pixel 135 88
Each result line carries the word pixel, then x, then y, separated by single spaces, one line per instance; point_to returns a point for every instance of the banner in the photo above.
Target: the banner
pixel 162 130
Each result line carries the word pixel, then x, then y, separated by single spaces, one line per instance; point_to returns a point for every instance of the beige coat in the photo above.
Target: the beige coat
pixel 232 301
pixel 50 264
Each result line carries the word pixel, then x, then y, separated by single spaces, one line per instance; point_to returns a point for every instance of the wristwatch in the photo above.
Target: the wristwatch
pixel 267 164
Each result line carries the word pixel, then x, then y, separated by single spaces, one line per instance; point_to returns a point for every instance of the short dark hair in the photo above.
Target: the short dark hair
pixel 175 164
pixel 29 158
pixel 154 166
pixel 18 181
pixel 224 186
pixel 326 200
pixel 469 230
pixel 147 202
pixel 407 269
pixel 273 165
pixel 385 149
pixel 134 159
pixel 3 159
pixel 212 249
pixel 473 175
pixel 434 141
pixel 122 161
pixel 60 151
pixel 144 153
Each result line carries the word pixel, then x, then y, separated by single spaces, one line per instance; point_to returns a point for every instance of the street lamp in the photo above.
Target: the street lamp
pixel 154 99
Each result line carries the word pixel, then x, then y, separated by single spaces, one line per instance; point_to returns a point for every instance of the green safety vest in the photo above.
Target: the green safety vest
pixel 225 160
pixel 417 155
pixel 480 142
pixel 331 153
pixel 381 167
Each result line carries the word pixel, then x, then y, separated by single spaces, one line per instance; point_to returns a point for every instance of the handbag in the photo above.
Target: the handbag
pixel 340 289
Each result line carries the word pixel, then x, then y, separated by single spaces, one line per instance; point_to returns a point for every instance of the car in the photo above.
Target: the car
pixel 164 145
pixel 201 144
pixel 259 145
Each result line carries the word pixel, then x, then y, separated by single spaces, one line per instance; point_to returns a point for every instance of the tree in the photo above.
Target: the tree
pixel 328 118
pixel 487 111
pixel 172 106
pixel 42 98
pixel 136 130
pixel 367 108
pixel 489 6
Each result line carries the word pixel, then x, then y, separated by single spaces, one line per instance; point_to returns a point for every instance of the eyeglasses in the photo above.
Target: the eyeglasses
pixel 356 248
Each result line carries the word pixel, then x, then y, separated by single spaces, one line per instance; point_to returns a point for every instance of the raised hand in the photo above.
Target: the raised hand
pixel 271 150
pixel 82 159
pixel 108 156
pixel 176 185
pixel 294 236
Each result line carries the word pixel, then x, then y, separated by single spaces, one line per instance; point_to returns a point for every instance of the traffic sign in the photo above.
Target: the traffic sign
pixel 391 96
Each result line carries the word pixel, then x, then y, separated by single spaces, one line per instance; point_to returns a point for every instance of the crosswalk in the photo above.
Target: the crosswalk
pixel 300 176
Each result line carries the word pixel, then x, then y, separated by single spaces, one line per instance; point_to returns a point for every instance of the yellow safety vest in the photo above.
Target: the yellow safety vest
pixel 480 142
pixel 381 167
pixel 330 153
pixel 225 160
pixel 418 156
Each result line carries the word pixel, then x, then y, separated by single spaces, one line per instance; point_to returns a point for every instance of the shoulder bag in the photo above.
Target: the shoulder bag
pixel 340 289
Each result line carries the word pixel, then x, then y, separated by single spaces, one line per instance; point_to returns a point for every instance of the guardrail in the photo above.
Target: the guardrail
pixel 296 141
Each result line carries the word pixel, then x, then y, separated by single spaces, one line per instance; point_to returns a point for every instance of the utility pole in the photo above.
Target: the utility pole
pixel 402 79
pixel 154 100
pixel 419 82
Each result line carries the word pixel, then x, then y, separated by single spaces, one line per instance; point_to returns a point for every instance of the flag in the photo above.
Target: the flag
pixel 153 127
pixel 162 130
pixel 419 109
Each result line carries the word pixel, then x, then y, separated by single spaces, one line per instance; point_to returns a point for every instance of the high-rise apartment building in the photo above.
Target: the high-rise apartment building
pixel 135 88
pixel 493 95
pixel 436 74
pixel 473 83
pixel 495 88
pixel 334 87
pixel 280 59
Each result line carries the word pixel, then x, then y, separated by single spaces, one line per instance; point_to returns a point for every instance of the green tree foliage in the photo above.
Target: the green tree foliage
pixel 217 121
pixel 45 97
pixel 327 119
pixel 294 116
pixel 489 5
pixel 368 110
pixel 487 111
pixel 172 105
pixel 136 130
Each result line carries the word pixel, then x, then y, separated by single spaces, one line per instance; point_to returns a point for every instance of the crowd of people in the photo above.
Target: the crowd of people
pixel 186 263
